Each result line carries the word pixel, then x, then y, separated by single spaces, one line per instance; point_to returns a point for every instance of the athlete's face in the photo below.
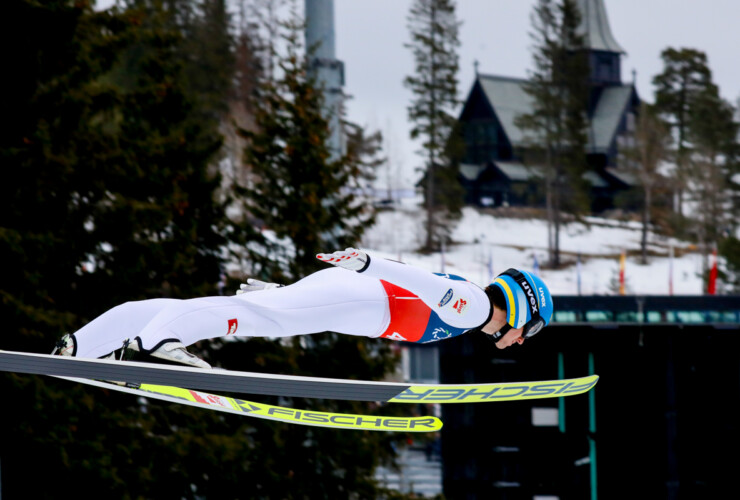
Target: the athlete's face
pixel 513 336
pixel 498 320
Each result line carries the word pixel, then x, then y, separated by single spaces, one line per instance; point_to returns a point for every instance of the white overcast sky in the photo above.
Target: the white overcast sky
pixel 370 37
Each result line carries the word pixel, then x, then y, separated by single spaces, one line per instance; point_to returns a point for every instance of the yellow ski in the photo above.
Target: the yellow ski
pixel 245 408
pixel 504 391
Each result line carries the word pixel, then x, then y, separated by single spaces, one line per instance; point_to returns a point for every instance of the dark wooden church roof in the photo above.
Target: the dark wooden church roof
pixel 508 98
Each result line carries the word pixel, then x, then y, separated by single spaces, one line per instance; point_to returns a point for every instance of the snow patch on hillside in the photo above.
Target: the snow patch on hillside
pixel 486 245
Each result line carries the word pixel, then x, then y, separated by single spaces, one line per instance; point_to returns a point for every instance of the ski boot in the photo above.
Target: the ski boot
pixel 170 351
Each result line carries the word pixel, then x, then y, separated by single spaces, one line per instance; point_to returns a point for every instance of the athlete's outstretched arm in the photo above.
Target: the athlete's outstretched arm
pixel 440 293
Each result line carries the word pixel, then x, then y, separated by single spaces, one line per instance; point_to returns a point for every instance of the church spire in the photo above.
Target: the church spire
pixel 595 27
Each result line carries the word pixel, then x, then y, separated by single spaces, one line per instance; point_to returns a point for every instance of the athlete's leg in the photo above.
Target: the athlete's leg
pixel 107 332
pixel 329 300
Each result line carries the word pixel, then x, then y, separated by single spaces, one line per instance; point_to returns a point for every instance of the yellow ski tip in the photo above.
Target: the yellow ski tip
pixel 504 391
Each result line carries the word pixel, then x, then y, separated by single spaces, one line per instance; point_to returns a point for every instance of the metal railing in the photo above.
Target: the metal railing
pixel 653 309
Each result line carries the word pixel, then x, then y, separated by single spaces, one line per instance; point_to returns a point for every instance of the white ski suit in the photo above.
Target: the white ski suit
pixel 387 299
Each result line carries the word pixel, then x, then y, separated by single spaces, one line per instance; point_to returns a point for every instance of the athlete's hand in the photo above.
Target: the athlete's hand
pixel 253 285
pixel 351 258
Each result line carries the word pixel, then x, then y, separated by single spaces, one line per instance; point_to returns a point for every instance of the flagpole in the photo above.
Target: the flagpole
pixel 670 269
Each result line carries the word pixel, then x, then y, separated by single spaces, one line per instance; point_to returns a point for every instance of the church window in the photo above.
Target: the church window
pixel 605 70
pixel 481 141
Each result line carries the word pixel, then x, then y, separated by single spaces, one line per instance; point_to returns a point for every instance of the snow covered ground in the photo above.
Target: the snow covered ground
pixel 486 245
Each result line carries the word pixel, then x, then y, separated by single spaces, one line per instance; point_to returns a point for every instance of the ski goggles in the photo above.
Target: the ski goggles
pixel 529 330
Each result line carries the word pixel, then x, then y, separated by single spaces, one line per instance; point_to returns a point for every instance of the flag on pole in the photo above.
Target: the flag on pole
pixel 536 265
pixel 622 260
pixel 670 270
pixel 712 286
pixel 578 273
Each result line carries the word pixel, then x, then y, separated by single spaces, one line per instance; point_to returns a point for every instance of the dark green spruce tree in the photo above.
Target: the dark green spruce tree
pixel 108 197
pixel 713 133
pixel 161 191
pixel 305 201
pixel 685 76
pixel 210 47
pixel 557 123
pixel 54 146
pixel 301 202
pixel 433 27
pixel 729 270
pixel 705 151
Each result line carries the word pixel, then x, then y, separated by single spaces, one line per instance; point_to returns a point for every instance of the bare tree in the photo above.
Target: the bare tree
pixel 557 123
pixel 643 158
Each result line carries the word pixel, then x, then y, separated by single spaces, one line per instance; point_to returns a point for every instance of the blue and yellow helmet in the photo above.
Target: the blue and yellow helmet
pixel 528 302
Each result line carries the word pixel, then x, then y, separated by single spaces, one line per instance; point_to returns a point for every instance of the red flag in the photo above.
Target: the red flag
pixel 712 286
pixel 621 273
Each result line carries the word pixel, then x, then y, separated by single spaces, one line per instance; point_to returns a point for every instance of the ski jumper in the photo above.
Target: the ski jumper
pixel 387 299
pixel 425 307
